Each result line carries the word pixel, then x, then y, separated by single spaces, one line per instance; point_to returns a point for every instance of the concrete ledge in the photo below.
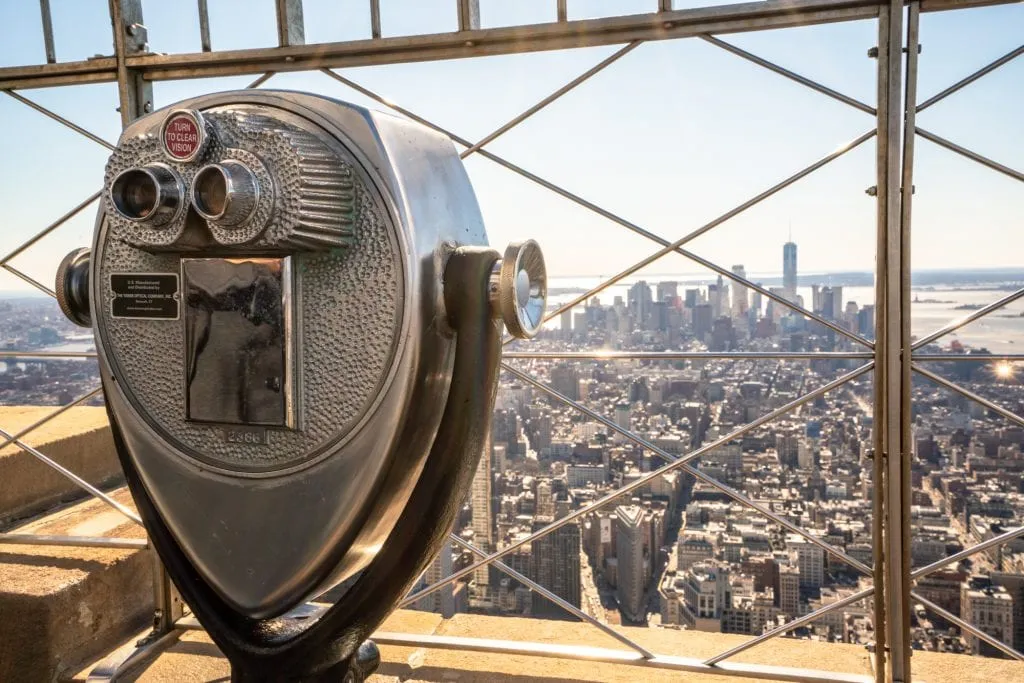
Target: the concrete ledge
pixel 195 658
pixel 61 606
pixel 79 439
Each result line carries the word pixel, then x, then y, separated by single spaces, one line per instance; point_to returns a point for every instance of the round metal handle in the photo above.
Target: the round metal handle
pixel 72 287
pixel 519 289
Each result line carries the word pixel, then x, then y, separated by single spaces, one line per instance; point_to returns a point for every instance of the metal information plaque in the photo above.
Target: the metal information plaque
pixel 144 295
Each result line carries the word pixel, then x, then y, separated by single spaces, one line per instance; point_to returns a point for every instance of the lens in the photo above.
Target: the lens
pixel 135 194
pixel 147 195
pixel 225 194
pixel 210 192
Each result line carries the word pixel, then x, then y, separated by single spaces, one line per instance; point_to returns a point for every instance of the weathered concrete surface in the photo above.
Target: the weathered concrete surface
pixel 194 658
pixel 61 606
pixel 79 440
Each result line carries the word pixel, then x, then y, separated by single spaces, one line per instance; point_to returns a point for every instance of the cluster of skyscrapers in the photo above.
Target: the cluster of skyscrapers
pixel 687 552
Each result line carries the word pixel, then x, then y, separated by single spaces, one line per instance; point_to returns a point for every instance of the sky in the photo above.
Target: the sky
pixel 669 137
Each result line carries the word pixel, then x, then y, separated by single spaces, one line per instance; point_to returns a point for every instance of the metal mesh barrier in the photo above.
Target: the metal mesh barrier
pixel 893 130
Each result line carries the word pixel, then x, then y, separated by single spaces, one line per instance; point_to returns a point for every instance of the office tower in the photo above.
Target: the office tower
pixel 668 291
pixel 988 607
pixel 579 325
pixel 556 566
pixel 692 298
pixel 831 303
pixel 623 414
pixel 866 321
pixel 565 379
pixel 1014 585
pixel 480 508
pixel 545 499
pixel 787 445
pixel 706 593
pixel 756 302
pixel 566 324
pixel 639 303
pixel 702 318
pixel 811 561
pixel 442 600
pixel 789 270
pixel 505 430
pixel 788 591
pixel 723 335
pixel 630 536
pixel 740 294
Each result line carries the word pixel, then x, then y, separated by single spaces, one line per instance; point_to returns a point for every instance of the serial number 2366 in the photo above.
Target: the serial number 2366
pixel 246 436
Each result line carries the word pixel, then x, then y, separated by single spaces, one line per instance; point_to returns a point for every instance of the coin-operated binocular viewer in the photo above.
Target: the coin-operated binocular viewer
pixel 298 324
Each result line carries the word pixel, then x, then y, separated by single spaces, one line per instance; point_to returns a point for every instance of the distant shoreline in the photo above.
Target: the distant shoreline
pixel 922 280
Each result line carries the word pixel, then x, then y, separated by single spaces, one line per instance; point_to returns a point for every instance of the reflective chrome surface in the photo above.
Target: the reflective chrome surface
pixel 399 198
pixel 519 289
pixel 225 193
pixel 237 342
pixel 148 194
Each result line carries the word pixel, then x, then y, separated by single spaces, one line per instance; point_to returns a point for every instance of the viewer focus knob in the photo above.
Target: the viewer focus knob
pixel 519 289
pixel 72 287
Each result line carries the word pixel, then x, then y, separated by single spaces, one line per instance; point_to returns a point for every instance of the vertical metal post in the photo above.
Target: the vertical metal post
pixel 204 26
pixel 291 29
pixel 136 97
pixel 135 93
pixel 168 605
pixel 375 18
pixel 905 341
pixel 44 12
pixel 892 295
pixel 469 15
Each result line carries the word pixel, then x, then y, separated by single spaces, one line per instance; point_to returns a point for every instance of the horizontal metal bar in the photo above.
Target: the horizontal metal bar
pixel 567 606
pixel 771 66
pixel 52 226
pixel 790 625
pixel 988 68
pixel 102 69
pixel 579 80
pixel 637 483
pixel 970 357
pixel 29 279
pixel 1000 539
pixel 966 626
pixel 967 319
pixel 688 355
pixel 974 156
pixel 693 471
pixel 60 119
pixel 953 386
pixel 949 5
pixel 47 354
pixel 609 656
pixel 75 541
pixel 733 18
